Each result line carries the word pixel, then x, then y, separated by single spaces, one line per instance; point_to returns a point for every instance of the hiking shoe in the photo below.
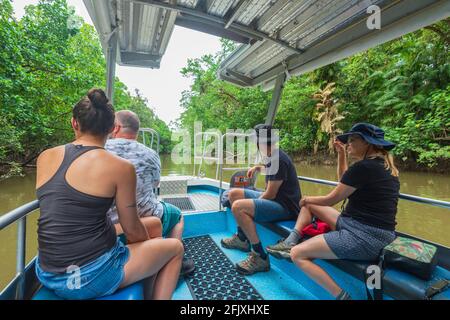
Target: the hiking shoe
pixel 235 243
pixel 253 264
pixel 187 266
pixel 280 250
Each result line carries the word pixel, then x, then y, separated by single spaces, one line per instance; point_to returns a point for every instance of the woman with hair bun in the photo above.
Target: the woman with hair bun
pixel 80 256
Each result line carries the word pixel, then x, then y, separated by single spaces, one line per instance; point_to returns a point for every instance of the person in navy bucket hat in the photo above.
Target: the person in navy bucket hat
pixel 366 223
pixel 370 133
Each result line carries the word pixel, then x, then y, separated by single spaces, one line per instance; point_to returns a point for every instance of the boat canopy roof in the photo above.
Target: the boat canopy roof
pixel 277 36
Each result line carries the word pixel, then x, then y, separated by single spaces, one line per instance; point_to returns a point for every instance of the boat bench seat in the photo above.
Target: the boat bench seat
pixel 397 284
pixel 132 292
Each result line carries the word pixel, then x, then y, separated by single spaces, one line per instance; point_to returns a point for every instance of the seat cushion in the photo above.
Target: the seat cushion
pixel 132 292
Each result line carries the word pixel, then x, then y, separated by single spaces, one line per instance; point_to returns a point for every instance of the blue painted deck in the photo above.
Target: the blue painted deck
pixel 283 282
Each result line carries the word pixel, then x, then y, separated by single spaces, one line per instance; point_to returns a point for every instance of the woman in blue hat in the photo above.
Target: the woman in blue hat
pixel 366 224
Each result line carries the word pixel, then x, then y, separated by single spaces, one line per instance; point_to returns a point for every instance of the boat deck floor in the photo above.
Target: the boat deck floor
pixel 272 285
pixel 200 201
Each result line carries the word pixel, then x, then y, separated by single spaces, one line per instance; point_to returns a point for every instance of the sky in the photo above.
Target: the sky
pixel 162 87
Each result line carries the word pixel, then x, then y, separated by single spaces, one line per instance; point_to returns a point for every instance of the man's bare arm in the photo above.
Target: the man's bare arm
pixel 272 189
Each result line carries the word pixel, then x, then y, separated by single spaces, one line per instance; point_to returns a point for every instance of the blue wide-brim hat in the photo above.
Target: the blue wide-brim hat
pixel 370 133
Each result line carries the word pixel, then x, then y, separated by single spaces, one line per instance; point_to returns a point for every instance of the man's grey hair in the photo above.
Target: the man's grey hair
pixel 129 121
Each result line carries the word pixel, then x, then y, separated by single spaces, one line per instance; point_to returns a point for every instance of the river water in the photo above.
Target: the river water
pixel 428 222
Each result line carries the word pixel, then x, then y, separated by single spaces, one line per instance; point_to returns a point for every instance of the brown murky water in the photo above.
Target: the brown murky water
pixel 425 221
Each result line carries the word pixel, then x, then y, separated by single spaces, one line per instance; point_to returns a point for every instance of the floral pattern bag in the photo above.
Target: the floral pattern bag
pixel 411 256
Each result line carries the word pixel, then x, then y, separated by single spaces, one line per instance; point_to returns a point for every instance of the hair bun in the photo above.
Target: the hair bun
pixel 98 98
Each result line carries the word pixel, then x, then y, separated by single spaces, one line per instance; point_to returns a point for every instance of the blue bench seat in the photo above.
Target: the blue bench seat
pixel 397 284
pixel 132 292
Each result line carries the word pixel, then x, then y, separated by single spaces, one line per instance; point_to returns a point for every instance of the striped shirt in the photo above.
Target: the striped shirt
pixel 148 172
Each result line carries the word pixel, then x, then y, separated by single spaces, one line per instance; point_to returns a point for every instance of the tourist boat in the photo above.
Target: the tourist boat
pixel 279 39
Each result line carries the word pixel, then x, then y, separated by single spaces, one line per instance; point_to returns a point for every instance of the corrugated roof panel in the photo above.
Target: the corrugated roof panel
pixel 220 7
pixel 234 60
pixel 123 14
pixel 159 30
pixel 312 14
pixel 303 34
pixel 253 10
pixel 281 13
pixel 344 15
pixel 188 3
pixel 281 56
pixel 169 24
pixel 266 52
pixel 146 34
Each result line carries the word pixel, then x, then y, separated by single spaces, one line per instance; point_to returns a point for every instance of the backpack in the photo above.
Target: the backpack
pixel 412 256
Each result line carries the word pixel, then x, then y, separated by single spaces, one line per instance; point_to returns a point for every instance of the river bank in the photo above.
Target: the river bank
pixel 428 222
pixel 320 158
pixel 410 165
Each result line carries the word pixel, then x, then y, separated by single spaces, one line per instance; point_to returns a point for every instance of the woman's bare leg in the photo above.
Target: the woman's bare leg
pixel 329 215
pixel 152 224
pixel 156 256
pixel 313 248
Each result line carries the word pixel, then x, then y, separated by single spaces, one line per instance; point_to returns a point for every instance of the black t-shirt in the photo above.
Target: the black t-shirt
pixel 375 199
pixel 289 193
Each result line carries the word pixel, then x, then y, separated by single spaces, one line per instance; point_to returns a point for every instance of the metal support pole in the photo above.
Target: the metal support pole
pixel 20 257
pixel 276 97
pixel 111 55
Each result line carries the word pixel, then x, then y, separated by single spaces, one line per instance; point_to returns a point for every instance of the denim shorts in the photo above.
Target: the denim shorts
pixel 267 210
pixel 100 277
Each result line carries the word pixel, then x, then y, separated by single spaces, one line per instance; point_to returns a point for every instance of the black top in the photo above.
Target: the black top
pixel 289 193
pixel 375 199
pixel 73 228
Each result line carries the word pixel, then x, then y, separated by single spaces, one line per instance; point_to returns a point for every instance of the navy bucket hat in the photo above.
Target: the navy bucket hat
pixel 370 133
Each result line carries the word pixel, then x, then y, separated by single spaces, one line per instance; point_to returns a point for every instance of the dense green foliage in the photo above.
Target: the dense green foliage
pixel 48 61
pixel 402 86
pixel 50 58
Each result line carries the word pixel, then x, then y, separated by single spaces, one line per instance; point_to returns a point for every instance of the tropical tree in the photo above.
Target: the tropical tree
pixel 328 116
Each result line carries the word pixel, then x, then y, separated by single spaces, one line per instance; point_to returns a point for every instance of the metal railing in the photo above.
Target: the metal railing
pixel 409 197
pixel 19 215
pixel 218 151
pixel 153 134
pixel 233 135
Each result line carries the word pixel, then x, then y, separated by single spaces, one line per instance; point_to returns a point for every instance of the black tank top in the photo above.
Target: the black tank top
pixel 73 228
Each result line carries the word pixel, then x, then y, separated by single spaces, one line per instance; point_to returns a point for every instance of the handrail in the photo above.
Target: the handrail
pixel 205 136
pixel 153 134
pixel 19 215
pixel 409 197
pixel 221 167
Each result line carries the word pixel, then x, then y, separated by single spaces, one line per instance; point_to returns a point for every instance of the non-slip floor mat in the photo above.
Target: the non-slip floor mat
pixel 184 203
pixel 215 276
